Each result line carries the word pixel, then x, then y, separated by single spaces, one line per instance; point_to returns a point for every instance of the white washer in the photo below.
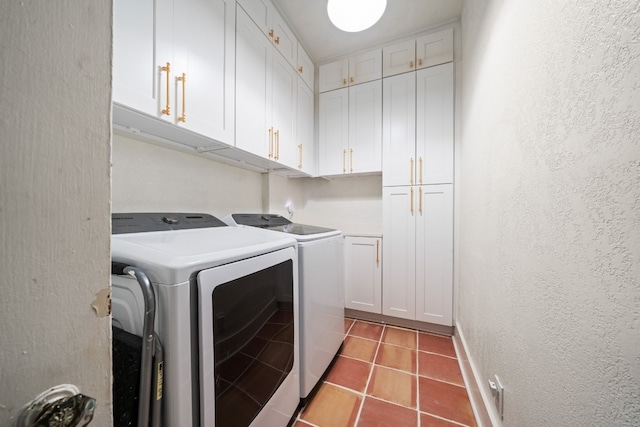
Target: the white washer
pixel 321 285
pixel 226 299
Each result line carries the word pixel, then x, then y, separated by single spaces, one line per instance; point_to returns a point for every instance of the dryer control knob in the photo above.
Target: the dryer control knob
pixel 170 219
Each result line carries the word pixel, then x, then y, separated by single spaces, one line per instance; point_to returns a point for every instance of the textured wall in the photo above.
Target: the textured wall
pixel 549 291
pixel 55 103
pixel 148 178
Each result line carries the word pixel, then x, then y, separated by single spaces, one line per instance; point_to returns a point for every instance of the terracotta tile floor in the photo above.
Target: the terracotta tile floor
pixel 390 376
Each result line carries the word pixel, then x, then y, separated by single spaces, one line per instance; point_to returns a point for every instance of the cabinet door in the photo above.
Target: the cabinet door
pixel 333 132
pixel 284 40
pixel 304 129
pixel 399 254
pixel 363 275
pixel 284 88
pixel 434 49
pixel 434 118
pixel 365 67
pixel 365 127
pixel 434 254
pixel 305 67
pixel 254 131
pixel 260 12
pixel 204 68
pixel 399 58
pixel 333 75
pixel 139 52
pixel 399 160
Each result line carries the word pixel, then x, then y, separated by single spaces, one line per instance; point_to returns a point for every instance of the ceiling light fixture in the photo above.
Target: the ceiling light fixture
pixel 355 15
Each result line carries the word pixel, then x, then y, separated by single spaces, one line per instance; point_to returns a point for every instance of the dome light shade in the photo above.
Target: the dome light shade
pixel 355 15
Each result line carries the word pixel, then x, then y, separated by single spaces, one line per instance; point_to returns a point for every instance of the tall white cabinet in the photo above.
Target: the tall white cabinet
pixel 418 161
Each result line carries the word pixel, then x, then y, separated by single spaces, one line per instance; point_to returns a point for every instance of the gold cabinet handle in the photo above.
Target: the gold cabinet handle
pixel 420 166
pixel 300 148
pixel 351 80
pixel 277 155
pixel 411 200
pixel 351 160
pixel 271 33
pixel 410 64
pixel 183 79
pixel 167 109
pixel 344 81
pixel 411 170
pixel 420 200
pixel 377 252
pixel 420 62
pixel 344 168
pixel 270 142
pixel 277 40
pixel 301 70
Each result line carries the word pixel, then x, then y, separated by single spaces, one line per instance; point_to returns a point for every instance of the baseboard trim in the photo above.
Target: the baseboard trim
pixel 396 321
pixel 481 404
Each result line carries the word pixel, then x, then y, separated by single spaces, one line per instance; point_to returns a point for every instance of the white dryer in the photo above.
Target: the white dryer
pixel 226 315
pixel 321 282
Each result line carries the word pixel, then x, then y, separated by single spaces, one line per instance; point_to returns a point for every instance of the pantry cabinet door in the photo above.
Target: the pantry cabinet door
pixel 434 118
pixel 365 67
pixel 399 58
pixel 399 161
pixel 333 75
pixel 205 68
pixel 142 44
pixel 434 255
pixel 434 49
pixel 365 128
pixel 333 132
pixel 254 130
pixel 363 274
pixel 305 67
pixel 399 254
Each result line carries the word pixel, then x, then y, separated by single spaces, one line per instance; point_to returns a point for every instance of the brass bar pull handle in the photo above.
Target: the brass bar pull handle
pixel 167 109
pixel 271 33
pixel 300 164
pixel 377 252
pixel 277 40
pixel 277 155
pixel 420 202
pixel 344 167
pixel 351 80
pixel 183 79
pixel 420 62
pixel 410 64
pixel 301 70
pixel 351 160
pixel 270 142
pixel 344 81
pixel 411 170
pixel 412 201
pixel 420 164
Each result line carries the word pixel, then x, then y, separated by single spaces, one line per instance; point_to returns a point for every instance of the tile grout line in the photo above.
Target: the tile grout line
pixel 373 364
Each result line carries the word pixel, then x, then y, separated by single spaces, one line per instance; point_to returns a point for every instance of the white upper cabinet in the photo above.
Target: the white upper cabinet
pixel 434 49
pixel 418 140
pixel 399 58
pixel 350 130
pixel 351 71
pixel 177 64
pixel 267 18
pixel 306 69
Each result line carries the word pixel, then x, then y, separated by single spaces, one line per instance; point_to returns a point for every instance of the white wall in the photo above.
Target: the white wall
pixel 352 205
pixel 549 291
pixel 149 178
pixel 55 103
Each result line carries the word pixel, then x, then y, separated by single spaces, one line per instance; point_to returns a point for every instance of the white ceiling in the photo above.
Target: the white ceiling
pixel 402 18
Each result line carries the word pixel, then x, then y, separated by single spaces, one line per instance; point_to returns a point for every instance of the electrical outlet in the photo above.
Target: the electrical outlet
pixel 497 391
